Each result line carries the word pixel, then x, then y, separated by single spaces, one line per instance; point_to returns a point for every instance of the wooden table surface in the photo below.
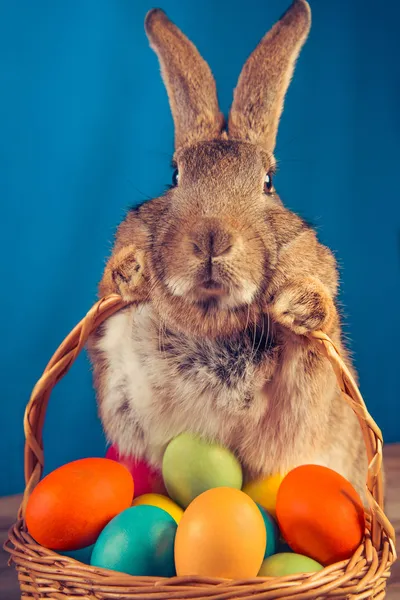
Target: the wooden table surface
pixel 8 507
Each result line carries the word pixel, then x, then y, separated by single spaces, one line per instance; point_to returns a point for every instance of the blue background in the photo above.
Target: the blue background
pixel 86 131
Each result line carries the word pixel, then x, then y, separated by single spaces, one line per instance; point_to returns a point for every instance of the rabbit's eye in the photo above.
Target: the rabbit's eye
pixel 175 178
pixel 268 185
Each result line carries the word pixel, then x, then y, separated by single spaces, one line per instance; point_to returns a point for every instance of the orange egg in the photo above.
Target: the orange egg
pixel 68 509
pixel 221 534
pixel 320 514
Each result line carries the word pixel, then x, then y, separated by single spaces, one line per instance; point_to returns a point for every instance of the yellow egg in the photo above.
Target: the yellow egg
pixel 264 491
pixel 161 502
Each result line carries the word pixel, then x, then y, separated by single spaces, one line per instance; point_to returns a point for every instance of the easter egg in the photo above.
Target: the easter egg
pixel 139 541
pixel 272 532
pixel 320 514
pixel 283 546
pixel 221 534
pixel 192 465
pixel 70 506
pixel 147 479
pixel 82 555
pixel 283 564
pixel 162 502
pixel 264 491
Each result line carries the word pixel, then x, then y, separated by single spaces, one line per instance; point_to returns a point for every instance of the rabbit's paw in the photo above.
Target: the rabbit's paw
pixel 303 305
pixel 126 269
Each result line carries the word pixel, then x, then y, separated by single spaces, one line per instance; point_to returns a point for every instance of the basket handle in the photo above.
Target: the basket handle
pixel 68 351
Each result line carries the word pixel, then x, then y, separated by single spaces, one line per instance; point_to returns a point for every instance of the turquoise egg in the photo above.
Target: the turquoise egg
pixel 272 532
pixel 83 555
pixel 138 541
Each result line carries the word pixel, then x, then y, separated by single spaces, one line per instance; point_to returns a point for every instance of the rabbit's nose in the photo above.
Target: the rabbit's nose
pixel 213 243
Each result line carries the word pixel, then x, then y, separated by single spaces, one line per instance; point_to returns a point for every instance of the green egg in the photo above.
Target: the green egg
pixel 192 466
pixel 287 563
pixel 138 541
pixel 272 532
pixel 82 555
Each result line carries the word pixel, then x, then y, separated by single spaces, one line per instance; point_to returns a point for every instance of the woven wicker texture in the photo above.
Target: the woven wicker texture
pixel 44 574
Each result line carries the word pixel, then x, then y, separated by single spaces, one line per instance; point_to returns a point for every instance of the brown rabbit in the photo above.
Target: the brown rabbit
pixel 229 284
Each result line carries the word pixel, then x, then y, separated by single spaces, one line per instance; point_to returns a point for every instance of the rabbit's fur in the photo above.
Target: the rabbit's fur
pixel 226 284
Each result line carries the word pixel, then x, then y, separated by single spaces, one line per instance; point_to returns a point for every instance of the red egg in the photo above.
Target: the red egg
pixel 147 479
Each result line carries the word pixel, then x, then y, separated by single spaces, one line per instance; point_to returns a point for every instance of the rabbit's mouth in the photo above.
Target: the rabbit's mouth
pixel 205 306
pixel 215 298
pixel 211 289
pixel 212 292
pixel 209 295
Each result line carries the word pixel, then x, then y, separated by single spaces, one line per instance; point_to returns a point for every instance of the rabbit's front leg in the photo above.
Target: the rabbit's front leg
pixel 303 305
pixel 125 275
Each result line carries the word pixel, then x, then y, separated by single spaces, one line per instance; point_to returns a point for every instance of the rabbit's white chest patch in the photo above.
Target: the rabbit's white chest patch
pixel 159 383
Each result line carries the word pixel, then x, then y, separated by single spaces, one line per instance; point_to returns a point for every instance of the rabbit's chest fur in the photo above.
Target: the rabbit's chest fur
pixel 243 393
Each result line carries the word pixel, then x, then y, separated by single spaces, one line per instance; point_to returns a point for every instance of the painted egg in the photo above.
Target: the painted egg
pixel 264 491
pixel 283 546
pixel 147 479
pixel 192 465
pixel 162 502
pixel 320 514
pixel 221 534
pixel 272 532
pixel 82 555
pixel 139 541
pixel 283 564
pixel 70 506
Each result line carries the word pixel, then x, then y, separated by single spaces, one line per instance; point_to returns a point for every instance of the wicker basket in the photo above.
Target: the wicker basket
pixel 44 574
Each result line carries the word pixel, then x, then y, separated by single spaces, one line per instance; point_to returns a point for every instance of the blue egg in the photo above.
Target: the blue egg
pixel 283 546
pixel 83 555
pixel 138 541
pixel 272 532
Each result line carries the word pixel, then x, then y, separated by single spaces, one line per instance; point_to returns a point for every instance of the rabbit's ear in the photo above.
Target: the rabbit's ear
pixel 188 79
pixel 262 85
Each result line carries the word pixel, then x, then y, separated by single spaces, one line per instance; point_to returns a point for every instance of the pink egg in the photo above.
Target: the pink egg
pixel 147 479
